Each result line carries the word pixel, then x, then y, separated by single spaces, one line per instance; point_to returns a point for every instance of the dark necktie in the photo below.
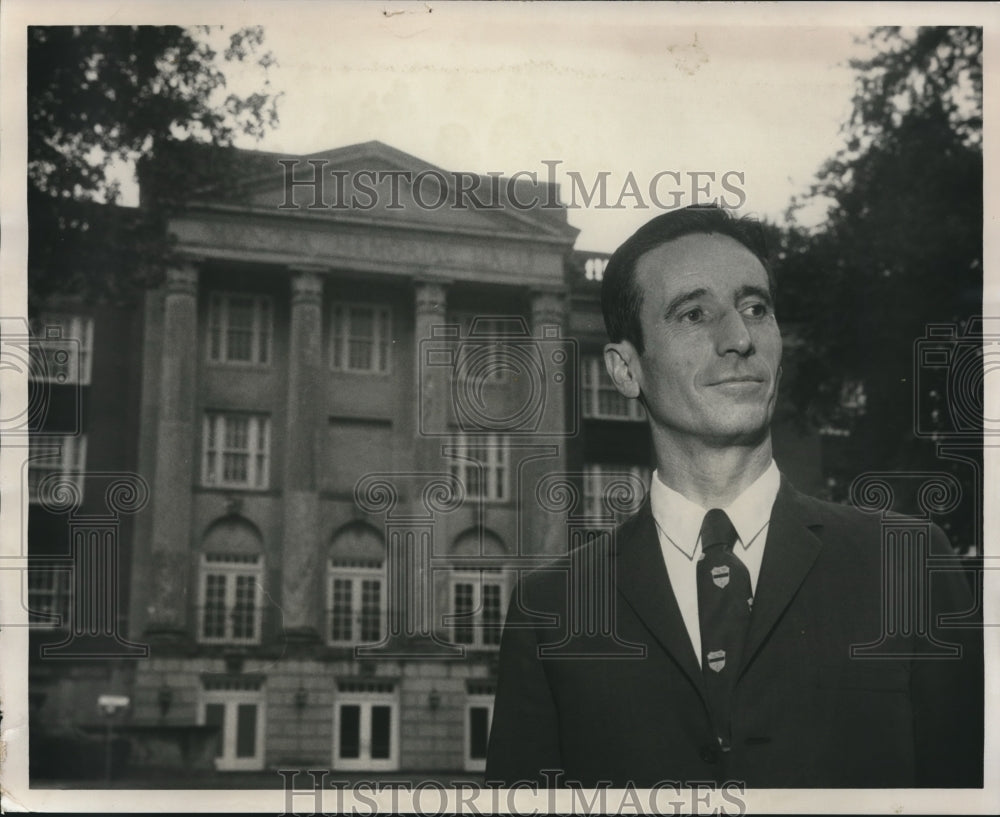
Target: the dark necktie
pixel 724 604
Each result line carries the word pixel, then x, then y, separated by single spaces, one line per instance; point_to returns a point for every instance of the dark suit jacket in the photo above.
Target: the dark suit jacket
pixel 805 713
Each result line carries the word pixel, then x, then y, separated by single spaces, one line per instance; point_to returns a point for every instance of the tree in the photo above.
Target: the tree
pixel 101 96
pixel 929 68
pixel 901 249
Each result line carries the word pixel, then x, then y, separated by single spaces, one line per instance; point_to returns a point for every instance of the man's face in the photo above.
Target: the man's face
pixel 712 354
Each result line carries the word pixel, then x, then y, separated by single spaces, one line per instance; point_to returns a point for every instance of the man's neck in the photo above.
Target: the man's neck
pixel 712 477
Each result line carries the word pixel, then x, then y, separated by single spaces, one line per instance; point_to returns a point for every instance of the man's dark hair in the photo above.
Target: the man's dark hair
pixel 621 297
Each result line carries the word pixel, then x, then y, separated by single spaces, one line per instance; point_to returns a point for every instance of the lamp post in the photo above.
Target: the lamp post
pixel 110 705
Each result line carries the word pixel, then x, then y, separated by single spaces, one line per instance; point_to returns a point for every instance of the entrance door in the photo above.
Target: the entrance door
pixel 366 729
pixel 239 714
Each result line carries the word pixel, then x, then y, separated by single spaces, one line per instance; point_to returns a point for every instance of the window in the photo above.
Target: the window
pixel 478 598
pixel 478 718
pixel 487 355
pixel 366 726
pixel 236 450
pixel 598 479
pixel 60 454
pixel 601 400
pixel 482 463
pixel 356 601
pixel 49 595
pixel 360 338
pixel 230 598
pixel 236 707
pixel 239 328
pixel 61 348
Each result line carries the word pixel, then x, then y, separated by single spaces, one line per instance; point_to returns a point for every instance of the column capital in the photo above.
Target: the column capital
pixel 182 278
pixel 431 296
pixel 307 286
pixel 558 291
pixel 304 268
pixel 548 306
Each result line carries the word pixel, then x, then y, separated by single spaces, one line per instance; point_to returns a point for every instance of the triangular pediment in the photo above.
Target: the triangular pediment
pixel 374 182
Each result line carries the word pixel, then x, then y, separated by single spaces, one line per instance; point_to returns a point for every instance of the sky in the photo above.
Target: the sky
pixel 647 91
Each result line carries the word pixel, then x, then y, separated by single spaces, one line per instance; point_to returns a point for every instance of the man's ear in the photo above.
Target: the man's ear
pixel 622 363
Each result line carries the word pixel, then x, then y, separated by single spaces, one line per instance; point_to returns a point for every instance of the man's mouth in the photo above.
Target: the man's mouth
pixel 725 381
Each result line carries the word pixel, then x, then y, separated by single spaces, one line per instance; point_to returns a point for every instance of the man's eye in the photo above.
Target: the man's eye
pixel 693 315
pixel 756 310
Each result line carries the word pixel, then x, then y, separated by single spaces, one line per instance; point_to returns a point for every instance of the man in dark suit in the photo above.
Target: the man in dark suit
pixel 740 607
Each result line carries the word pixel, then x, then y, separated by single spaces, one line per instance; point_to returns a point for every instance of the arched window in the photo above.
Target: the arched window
pixel 230 585
pixel 356 607
pixel 479 589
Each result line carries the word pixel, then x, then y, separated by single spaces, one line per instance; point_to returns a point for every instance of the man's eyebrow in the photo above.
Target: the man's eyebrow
pixel 684 297
pixel 748 290
pixel 752 289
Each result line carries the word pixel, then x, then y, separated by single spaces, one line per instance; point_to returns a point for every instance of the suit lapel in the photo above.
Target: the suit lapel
pixel 642 579
pixel 789 553
pixel 790 550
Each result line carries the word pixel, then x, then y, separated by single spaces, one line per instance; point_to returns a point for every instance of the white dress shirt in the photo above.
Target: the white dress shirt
pixel 678 522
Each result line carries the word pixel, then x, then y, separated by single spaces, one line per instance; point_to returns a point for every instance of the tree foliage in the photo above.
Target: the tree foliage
pixel 101 97
pixel 929 68
pixel 900 250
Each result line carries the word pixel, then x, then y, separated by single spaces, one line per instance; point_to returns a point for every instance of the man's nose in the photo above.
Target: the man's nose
pixel 732 334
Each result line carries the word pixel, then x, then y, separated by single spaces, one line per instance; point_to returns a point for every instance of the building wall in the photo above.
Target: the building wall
pixel 329 429
pixel 68 668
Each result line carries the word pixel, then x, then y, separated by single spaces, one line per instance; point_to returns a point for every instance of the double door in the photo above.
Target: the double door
pixel 366 731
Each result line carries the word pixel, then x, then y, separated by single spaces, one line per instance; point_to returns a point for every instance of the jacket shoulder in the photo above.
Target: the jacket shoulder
pixel 863 525
pixel 549 580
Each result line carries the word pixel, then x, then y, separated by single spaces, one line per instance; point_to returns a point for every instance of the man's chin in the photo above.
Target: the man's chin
pixel 749 433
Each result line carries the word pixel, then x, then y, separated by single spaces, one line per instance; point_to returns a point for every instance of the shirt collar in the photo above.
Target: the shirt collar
pixel 680 519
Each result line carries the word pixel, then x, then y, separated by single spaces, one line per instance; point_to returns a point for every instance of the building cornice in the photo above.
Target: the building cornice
pixel 564 241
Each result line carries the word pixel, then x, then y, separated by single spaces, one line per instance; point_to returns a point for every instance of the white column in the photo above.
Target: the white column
pixel 174 474
pixel 301 599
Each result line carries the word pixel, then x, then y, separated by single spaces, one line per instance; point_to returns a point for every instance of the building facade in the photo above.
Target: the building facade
pixel 356 415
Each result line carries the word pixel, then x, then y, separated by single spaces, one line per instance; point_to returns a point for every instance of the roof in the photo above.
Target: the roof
pixel 368 180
